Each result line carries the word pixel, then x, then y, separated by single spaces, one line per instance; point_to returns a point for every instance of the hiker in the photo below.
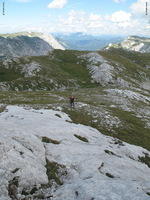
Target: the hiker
pixel 71 99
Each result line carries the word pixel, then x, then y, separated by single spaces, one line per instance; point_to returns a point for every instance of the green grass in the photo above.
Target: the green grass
pixel 71 64
pixel 109 175
pixel 53 172
pixel 9 74
pixel 133 63
pixel 2 109
pixel 141 59
pixel 15 170
pixel 65 69
pixel 48 140
pixel 82 116
pixel 145 159
pixel 59 69
pixel 109 152
pixel 29 98
pixel 57 115
pixel 13 187
pixel 83 139
pixel 133 129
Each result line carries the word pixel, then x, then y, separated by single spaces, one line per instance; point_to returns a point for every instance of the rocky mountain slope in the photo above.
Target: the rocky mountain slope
pixel 133 43
pixel 27 44
pixel 51 151
pixel 118 81
pixel 65 69
pixel 46 156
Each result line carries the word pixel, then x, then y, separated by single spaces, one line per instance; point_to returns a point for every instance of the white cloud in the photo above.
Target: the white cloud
pixel 120 16
pixel 95 17
pixel 57 4
pixel 90 23
pixel 120 22
pixel 139 7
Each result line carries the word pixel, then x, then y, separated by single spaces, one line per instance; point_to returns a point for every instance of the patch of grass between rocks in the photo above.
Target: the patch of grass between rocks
pixel 48 140
pixel 54 172
pixel 109 175
pixel 81 138
pixel 145 159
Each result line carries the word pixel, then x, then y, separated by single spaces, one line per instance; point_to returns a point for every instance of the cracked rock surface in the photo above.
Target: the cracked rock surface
pixel 39 145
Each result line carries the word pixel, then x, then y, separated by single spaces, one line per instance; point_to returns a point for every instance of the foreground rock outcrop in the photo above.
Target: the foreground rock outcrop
pixel 46 156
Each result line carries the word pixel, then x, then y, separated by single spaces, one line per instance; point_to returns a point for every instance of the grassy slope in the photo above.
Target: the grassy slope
pixel 134 63
pixel 65 65
pixel 141 59
pixel 66 69
pixel 60 66
pixel 133 129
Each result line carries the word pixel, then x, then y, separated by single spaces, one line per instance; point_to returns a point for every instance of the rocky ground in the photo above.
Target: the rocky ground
pixel 51 151
pixel 46 156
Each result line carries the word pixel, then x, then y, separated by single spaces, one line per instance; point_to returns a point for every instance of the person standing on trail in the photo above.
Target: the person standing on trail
pixel 71 99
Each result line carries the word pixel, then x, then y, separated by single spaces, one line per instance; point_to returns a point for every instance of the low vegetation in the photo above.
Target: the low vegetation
pixel 63 74
pixel 13 187
pixel 109 152
pixel 133 131
pixel 133 63
pixel 145 159
pixel 48 140
pixel 55 171
pixel 109 175
pixel 83 139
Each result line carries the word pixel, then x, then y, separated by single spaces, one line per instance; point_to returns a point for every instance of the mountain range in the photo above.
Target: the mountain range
pixel 82 41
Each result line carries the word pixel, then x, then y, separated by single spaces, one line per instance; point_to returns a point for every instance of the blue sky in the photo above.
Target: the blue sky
pixel 90 16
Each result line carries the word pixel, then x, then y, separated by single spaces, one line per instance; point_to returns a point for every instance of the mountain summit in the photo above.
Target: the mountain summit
pixel 133 43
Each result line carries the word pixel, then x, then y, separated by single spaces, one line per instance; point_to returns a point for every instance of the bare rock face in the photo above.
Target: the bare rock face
pixel 102 71
pixel 23 46
pixel 44 156
pixel 133 43
pixel 27 44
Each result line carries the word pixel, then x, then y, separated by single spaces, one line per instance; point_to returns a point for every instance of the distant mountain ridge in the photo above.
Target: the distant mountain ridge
pixel 133 43
pixel 82 41
pixel 27 44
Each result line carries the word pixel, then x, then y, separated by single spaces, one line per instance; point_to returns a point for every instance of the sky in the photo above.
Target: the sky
pixel 110 17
